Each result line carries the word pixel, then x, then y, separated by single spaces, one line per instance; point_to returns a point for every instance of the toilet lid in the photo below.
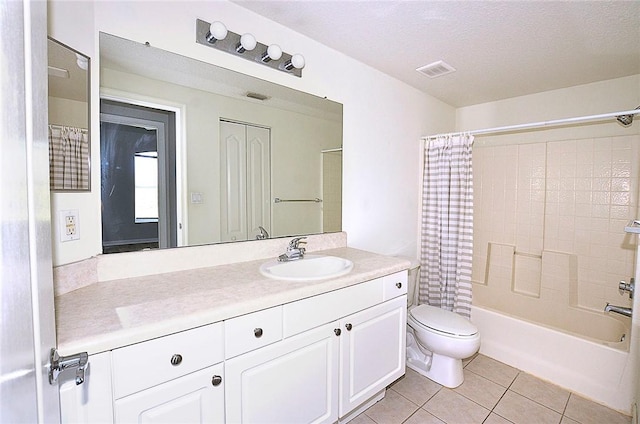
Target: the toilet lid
pixel 443 320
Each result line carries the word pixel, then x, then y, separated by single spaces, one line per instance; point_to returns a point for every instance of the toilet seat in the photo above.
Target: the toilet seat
pixel 442 321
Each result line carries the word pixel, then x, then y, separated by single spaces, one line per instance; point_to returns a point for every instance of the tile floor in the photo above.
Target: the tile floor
pixel 492 393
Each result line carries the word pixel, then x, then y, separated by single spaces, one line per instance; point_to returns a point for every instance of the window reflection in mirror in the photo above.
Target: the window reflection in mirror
pixel 145 170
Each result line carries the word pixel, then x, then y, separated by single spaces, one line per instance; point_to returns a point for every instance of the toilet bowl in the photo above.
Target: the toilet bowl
pixel 437 340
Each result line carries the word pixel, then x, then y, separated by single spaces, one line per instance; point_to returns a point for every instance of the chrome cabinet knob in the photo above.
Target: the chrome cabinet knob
pixel 399 285
pixel 176 359
pixel 257 332
pixel 216 380
pixel 348 327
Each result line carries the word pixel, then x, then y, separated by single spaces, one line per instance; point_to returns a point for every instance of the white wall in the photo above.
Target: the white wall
pixel 67 112
pixel 383 118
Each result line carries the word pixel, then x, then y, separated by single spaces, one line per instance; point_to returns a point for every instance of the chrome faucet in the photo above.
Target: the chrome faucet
pixel 618 310
pixel 263 233
pixel 294 251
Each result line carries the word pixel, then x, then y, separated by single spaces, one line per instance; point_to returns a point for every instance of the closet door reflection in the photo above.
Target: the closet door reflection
pixel 245 181
pixel 132 152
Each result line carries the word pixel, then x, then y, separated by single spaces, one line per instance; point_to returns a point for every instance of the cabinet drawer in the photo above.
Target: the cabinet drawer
pixel 147 364
pixel 251 331
pixel 317 310
pixel 395 285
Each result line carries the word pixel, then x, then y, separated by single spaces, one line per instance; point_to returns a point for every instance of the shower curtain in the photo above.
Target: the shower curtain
pixel 68 158
pixel 447 224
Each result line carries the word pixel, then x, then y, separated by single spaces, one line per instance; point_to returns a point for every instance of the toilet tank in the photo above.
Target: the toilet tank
pixel 413 282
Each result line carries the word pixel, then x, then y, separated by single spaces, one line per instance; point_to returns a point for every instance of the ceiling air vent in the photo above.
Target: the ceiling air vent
pixel 257 96
pixel 436 69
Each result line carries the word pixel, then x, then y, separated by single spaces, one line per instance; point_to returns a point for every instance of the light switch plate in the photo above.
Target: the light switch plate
pixel 196 197
pixel 69 225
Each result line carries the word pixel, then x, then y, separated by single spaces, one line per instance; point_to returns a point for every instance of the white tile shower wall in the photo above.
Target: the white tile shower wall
pixel 567 201
pixel 530 197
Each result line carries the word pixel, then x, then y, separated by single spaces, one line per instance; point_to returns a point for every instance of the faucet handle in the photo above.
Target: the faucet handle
pixel 624 287
pixel 293 244
pixel 263 233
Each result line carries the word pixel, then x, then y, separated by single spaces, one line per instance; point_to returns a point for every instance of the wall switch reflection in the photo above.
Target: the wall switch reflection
pixel 196 197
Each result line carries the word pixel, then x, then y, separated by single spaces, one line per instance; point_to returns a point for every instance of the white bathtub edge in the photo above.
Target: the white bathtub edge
pixel 589 369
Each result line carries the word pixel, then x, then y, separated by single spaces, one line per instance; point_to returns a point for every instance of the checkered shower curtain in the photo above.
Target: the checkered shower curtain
pixel 68 158
pixel 447 224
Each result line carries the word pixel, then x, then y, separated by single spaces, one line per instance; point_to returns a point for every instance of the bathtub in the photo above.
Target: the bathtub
pixel 596 365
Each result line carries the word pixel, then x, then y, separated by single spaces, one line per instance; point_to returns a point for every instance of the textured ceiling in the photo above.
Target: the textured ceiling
pixel 500 49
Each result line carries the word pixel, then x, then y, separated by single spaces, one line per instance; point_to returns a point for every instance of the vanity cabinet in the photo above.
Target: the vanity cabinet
pixel 292 381
pixel 372 352
pixel 176 378
pixel 340 350
pixel 144 365
pixel 321 359
pixel 91 401
pixel 194 398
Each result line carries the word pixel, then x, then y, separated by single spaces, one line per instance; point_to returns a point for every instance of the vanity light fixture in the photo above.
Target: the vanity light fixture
pixel 296 61
pixel 217 36
pixel 273 52
pixel 82 62
pixel 247 43
pixel 217 31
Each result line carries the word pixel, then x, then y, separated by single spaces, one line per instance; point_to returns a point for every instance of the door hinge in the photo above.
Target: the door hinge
pixel 58 363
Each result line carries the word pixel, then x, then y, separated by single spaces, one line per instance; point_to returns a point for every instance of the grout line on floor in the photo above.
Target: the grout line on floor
pixel 566 405
pixel 491 410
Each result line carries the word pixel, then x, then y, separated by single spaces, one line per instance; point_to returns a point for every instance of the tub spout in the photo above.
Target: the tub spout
pixel 618 310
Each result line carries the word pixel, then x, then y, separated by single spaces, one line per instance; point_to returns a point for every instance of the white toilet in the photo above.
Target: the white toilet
pixel 437 340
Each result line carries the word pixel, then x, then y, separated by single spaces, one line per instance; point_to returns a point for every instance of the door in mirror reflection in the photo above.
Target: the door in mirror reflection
pixel 134 153
pixel 245 187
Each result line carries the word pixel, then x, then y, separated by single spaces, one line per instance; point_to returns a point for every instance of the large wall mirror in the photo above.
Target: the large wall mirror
pixel 192 153
pixel 69 147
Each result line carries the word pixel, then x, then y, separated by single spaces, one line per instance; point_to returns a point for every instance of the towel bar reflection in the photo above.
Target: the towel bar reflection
pixel 279 200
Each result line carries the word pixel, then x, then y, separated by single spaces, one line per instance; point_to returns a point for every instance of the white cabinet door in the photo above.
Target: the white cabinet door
pixel 372 351
pixel 190 399
pixel 91 401
pixel 292 381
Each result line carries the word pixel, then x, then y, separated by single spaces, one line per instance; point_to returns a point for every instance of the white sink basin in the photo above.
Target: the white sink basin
pixel 312 267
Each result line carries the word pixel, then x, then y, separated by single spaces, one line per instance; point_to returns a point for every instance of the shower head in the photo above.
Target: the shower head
pixel 625 120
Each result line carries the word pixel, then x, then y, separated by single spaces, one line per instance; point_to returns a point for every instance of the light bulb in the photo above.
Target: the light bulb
pixel 82 62
pixel 247 42
pixel 217 31
pixel 274 52
pixel 296 61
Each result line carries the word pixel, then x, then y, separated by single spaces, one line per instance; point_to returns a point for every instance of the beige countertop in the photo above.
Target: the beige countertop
pixel 111 314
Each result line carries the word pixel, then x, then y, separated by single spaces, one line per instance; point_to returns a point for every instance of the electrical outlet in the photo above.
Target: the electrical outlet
pixel 69 225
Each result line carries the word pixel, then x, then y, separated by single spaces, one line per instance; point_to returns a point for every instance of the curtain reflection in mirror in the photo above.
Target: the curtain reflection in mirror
pixel 68 158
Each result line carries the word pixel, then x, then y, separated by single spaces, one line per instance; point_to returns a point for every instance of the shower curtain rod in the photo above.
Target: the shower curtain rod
pixel 535 125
